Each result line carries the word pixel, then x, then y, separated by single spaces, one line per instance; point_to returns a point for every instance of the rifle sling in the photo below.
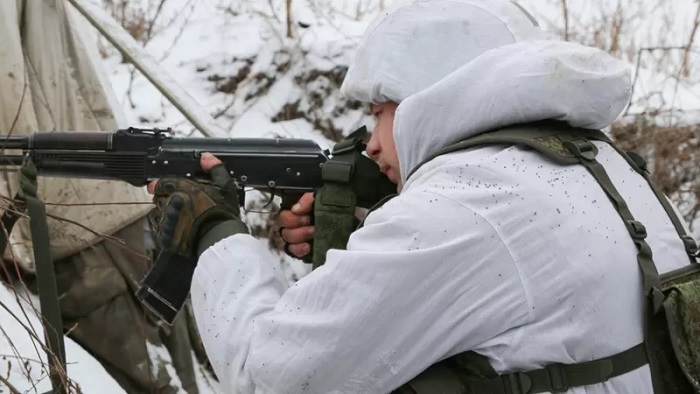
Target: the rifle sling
pixel 45 274
pixel 48 292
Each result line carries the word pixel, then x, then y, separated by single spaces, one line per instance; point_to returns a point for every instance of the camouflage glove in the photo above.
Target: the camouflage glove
pixel 189 216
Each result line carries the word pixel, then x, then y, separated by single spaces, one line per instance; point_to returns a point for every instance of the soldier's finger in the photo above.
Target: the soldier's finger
pixel 289 219
pixel 299 250
pixel 220 176
pixel 208 161
pixel 151 187
pixel 304 205
pixel 298 235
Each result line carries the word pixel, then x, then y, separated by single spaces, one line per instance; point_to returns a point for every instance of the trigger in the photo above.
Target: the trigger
pixel 272 197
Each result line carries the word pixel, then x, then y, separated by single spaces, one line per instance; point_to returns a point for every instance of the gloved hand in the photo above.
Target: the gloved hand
pixel 189 216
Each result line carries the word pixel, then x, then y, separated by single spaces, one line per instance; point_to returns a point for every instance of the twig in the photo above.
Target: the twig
pixel 19 108
pixel 30 332
pixel 19 278
pixel 289 18
pixel 64 378
pixel 102 236
pixel 565 11
pixel 696 24
pixel 152 21
pixel 105 237
pixel 638 65
pixel 22 358
pixel 17 297
pixel 272 10
pixel 13 389
pixel 179 34
pixel 683 69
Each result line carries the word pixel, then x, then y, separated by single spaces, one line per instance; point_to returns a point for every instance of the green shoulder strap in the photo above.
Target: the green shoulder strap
pixel 638 163
pixel 46 277
pixel 539 135
pixel 544 137
pixel 567 145
pixel 350 180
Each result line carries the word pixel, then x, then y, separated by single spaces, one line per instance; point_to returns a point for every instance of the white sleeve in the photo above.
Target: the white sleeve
pixel 425 278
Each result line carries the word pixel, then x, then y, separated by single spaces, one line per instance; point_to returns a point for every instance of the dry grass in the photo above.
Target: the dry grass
pixel 673 155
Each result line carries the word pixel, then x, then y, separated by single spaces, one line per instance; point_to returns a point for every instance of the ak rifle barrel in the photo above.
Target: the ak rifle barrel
pixel 69 140
pixel 11 160
pixel 14 142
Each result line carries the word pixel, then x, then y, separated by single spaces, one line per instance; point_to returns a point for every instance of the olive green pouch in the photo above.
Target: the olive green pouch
pixel 681 310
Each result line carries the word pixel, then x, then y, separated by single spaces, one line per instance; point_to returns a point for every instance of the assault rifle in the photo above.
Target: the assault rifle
pixel 342 179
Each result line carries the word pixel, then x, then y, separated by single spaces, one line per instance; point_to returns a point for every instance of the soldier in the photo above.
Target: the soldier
pixel 496 268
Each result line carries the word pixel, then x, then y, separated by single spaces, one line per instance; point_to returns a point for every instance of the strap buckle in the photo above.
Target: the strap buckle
pixel 638 160
pixel 582 149
pixel 690 245
pixel 337 171
pixel 656 297
pixel 636 229
pixel 518 382
pixel 557 378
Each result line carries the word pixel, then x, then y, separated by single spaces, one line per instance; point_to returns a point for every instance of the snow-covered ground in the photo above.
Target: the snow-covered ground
pixel 24 361
pixel 233 58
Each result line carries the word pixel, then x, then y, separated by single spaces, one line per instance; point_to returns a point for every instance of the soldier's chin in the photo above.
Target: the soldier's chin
pixel 393 176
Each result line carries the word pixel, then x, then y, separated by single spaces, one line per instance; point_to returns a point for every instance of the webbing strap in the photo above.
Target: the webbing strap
pixel 640 166
pixel 46 278
pixel 48 292
pixel 636 229
pixel 651 282
pixel 557 378
pixel 335 202
pixel 541 136
pixel 334 219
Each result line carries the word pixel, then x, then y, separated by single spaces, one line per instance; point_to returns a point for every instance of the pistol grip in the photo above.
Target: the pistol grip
pixel 288 200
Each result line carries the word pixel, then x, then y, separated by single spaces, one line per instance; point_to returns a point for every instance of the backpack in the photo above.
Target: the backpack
pixel 671 345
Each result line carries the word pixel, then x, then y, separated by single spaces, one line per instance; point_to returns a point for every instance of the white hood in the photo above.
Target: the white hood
pixel 462 67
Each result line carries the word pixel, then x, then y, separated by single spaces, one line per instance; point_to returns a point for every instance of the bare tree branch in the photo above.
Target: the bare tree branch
pixel 685 70
pixel 565 11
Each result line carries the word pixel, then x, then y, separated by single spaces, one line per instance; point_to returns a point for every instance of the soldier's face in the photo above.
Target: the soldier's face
pixel 381 147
